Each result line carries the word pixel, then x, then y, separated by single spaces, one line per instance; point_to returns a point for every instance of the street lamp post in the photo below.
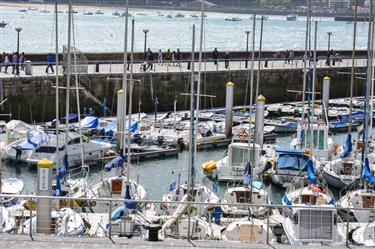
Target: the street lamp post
pixel 247 46
pixel 329 40
pixel 145 31
pixel 18 29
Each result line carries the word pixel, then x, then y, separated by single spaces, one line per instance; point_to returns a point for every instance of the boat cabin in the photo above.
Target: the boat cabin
pixel 320 138
pixel 239 154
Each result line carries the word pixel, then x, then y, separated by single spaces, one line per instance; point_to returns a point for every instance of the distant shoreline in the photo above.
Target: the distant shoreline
pixel 82 7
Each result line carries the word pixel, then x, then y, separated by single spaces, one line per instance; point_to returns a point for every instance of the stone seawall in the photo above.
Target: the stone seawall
pixel 33 99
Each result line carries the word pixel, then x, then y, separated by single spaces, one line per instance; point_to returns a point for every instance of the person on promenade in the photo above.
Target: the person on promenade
pixel 6 62
pixel 226 60
pixel 1 61
pixel 291 56
pixel 168 56
pixel 173 57
pixel 178 57
pixel 128 62
pixel 14 63
pixel 215 56
pixel 150 58
pixel 50 60
pixel 287 57
pixel 160 57
pixel 22 61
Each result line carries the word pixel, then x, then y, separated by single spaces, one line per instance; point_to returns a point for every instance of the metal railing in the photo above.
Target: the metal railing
pixel 104 224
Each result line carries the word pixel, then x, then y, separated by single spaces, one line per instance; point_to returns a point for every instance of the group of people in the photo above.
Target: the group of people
pixel 215 57
pixel 15 60
pixel 289 56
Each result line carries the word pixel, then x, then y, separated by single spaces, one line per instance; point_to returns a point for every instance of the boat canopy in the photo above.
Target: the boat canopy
pixel 88 122
pixel 31 142
pixel 291 159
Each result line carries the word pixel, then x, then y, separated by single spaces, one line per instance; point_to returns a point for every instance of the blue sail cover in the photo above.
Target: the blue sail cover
pixel 118 213
pixel 129 205
pixel 348 146
pixel 291 159
pixel 63 167
pixel 247 174
pixel 71 117
pixel 118 161
pixel 32 142
pixel 310 172
pixel 89 122
pixel 367 172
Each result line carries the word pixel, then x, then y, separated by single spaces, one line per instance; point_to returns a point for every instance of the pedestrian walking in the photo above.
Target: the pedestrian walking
pixel 287 57
pixel 160 57
pixel 168 56
pixel 22 61
pixel 226 60
pixel 14 62
pixel 150 58
pixel 291 56
pixel 50 60
pixel 1 61
pixel 215 56
pixel 173 57
pixel 6 62
pixel 178 57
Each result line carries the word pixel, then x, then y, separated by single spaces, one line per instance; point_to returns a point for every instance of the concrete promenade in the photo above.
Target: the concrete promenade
pixel 109 68
pixel 11 241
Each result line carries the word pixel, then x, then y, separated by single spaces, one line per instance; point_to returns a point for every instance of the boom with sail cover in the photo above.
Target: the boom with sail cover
pixel 367 172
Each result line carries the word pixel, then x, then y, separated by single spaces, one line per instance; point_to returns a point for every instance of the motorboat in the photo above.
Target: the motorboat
pixel 169 16
pixel 99 12
pixel 10 186
pixel 256 195
pixel 364 235
pixel 44 11
pixel 23 10
pixel 354 200
pixel 282 125
pixel 233 19
pixel 179 15
pixel 87 13
pixel 291 17
pixel 93 150
pixel 3 24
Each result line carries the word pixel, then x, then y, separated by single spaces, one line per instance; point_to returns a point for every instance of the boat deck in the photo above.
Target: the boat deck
pixel 13 241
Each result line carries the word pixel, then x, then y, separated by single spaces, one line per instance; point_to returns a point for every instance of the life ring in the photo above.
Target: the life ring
pixel 242 133
pixel 321 123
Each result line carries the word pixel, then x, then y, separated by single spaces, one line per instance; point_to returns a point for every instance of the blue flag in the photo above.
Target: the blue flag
pixel 310 172
pixel 63 167
pixel 214 188
pixel 287 201
pixel 367 172
pixel 247 174
pixel 348 146
pixel 172 186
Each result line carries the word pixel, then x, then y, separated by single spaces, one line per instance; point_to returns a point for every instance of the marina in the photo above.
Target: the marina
pixel 193 149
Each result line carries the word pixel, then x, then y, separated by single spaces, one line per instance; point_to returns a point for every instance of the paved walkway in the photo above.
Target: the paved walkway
pixel 10 241
pixel 39 70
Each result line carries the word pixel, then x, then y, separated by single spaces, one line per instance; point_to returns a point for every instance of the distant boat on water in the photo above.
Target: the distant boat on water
pixel 44 11
pixel 32 8
pixel 169 16
pixel 23 10
pixel 3 24
pixel 195 16
pixel 179 16
pixel 291 17
pixel 88 13
pixel 233 19
pixel 99 12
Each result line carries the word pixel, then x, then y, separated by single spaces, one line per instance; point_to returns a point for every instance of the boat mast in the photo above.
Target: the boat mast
pixel 305 63
pixel 68 73
pixel 352 74
pixel 131 83
pixel 57 85
pixel 313 89
pixel 124 86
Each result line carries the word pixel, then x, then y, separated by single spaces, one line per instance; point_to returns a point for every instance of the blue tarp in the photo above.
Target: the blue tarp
pixel 111 128
pixel 348 146
pixel 311 174
pixel 247 174
pixel 289 150
pixel 292 162
pixel 89 122
pixel 339 123
pixel 129 205
pixel 172 186
pixel 118 161
pixel 257 184
pixel 367 173
pixel 32 142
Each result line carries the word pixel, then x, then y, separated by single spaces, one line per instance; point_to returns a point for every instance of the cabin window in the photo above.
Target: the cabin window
pixel 240 156
pixel 243 196
pixel 368 201
pixel 46 149
pixel 249 232
pixel 316 225
pixel 308 199
pixel 318 142
pixel 74 141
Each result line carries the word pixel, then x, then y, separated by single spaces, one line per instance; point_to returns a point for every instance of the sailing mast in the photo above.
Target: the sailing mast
pixel 57 86
pixel 124 88
pixel 68 74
